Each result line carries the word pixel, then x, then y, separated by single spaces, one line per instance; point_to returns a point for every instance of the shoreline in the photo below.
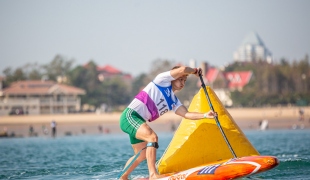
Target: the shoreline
pixel 92 123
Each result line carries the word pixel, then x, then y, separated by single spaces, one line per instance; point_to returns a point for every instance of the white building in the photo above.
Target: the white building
pixel 39 97
pixel 252 49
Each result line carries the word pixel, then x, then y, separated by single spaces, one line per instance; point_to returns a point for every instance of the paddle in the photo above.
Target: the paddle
pixel 131 162
pixel 216 118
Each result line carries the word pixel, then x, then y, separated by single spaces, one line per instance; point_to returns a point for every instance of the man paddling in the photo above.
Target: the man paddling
pixel 154 100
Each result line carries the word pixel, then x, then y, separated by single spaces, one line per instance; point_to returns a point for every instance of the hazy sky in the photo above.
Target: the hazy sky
pixel 130 34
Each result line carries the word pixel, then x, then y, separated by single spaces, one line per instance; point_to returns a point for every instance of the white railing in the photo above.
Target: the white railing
pixel 33 104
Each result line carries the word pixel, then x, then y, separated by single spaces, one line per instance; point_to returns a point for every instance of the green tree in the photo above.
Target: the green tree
pixel 159 66
pixel 13 75
pixel 86 77
pixel 33 71
pixel 59 66
pixel 139 83
pixel 112 91
pixel 115 92
pixel 272 84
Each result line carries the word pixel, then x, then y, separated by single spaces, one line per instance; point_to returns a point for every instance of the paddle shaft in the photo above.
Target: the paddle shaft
pixel 131 162
pixel 216 119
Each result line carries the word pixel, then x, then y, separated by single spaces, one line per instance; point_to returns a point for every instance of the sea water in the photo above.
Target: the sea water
pixel 103 157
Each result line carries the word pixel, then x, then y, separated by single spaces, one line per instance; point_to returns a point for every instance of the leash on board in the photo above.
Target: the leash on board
pixel 216 119
pixel 128 166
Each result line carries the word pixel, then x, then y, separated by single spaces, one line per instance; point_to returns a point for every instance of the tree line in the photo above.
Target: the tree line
pixel 281 83
pixel 271 84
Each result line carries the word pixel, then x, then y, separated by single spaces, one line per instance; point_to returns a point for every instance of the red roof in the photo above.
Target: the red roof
pixel 238 78
pixel 109 69
pixel 38 87
pixel 211 74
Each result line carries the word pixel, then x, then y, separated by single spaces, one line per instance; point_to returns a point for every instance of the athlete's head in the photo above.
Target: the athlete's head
pixel 179 83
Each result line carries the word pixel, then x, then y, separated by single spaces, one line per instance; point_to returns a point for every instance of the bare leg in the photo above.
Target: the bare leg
pixel 136 148
pixel 151 160
pixel 148 135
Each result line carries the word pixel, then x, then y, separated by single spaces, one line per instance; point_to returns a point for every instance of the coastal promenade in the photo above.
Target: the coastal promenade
pixel 103 123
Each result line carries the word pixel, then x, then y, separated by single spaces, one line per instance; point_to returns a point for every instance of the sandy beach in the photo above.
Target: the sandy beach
pixel 92 123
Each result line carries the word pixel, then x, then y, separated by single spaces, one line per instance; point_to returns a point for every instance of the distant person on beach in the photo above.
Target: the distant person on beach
pixel 301 114
pixel 31 130
pixel 44 130
pixel 100 129
pixel 107 131
pixel 53 126
pixel 154 100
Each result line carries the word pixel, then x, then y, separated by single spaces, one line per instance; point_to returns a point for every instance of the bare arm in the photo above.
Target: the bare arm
pixel 184 70
pixel 182 111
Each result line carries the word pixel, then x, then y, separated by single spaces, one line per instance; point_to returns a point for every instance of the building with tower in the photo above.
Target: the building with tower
pixel 252 49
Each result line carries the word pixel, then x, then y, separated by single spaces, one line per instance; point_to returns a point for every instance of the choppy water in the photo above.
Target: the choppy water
pixel 102 157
